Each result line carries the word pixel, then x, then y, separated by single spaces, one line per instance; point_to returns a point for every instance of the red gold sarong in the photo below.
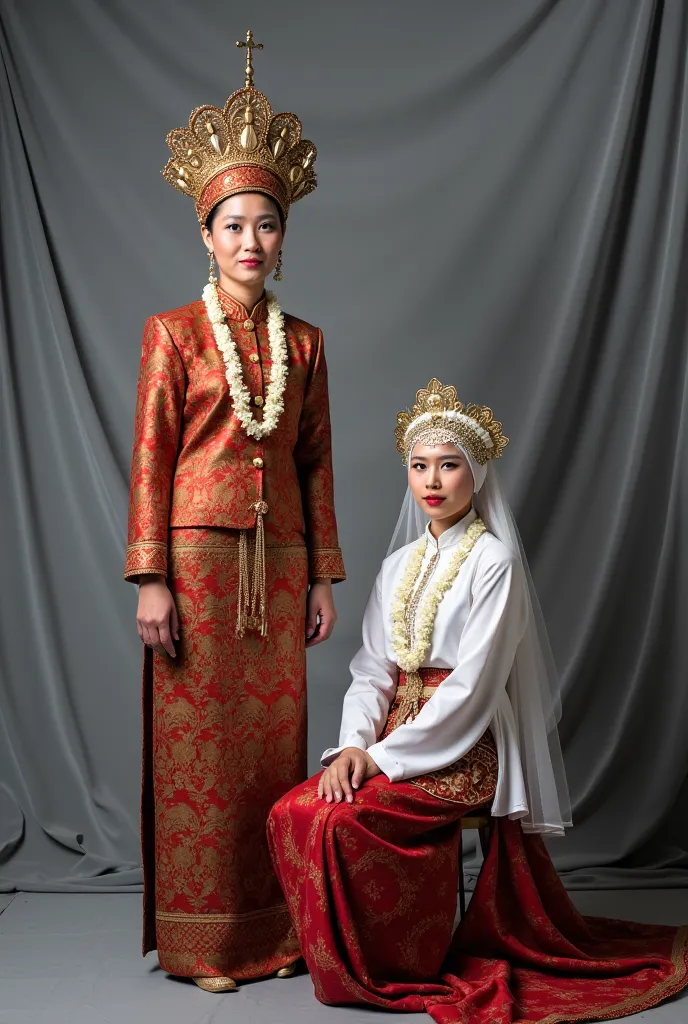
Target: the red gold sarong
pixel 371 887
pixel 225 737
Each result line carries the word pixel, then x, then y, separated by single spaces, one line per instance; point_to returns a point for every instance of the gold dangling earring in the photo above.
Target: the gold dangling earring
pixel 278 267
pixel 211 276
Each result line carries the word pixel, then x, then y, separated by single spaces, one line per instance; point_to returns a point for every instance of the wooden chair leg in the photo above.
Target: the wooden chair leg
pixel 462 889
pixel 484 836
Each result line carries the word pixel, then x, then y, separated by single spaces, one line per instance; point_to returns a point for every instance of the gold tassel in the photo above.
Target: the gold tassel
pixel 258 618
pixel 252 603
pixel 409 706
pixel 243 595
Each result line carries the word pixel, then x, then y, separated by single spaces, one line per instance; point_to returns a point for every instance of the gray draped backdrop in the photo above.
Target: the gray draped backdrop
pixel 502 204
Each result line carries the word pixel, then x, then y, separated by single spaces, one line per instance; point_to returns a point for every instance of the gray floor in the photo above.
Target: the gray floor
pixel 73 959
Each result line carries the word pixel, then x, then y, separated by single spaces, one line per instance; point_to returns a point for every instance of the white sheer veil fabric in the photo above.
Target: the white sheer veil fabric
pixel 533 684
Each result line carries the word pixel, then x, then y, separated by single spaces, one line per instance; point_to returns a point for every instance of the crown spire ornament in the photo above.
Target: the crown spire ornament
pixel 242 147
pixel 250 47
pixel 438 417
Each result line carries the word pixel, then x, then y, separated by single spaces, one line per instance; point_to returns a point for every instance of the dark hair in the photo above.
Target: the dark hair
pixel 211 216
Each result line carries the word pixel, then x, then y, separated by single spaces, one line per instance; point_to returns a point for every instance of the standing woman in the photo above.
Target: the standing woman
pixel 233 542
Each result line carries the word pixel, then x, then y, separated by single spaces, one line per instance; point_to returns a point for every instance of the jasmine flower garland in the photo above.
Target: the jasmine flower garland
pixel 412 645
pixel 241 397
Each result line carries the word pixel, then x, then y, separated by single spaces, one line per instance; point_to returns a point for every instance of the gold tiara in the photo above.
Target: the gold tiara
pixel 242 148
pixel 438 417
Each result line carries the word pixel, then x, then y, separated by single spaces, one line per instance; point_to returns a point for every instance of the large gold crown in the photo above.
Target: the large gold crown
pixel 242 148
pixel 438 417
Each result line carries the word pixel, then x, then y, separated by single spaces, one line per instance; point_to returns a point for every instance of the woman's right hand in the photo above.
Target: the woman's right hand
pixel 334 781
pixel 156 618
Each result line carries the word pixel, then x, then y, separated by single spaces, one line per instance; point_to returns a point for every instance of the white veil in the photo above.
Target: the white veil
pixel 533 684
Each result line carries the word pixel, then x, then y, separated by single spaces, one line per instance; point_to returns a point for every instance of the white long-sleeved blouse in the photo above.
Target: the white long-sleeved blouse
pixel 478 627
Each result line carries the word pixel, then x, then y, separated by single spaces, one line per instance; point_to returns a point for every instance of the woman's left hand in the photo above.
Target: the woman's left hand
pixel 320 613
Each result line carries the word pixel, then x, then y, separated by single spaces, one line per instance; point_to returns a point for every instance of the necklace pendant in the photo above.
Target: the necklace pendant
pixel 410 702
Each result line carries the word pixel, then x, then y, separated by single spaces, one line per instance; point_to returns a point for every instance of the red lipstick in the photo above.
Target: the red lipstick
pixel 433 500
pixel 251 263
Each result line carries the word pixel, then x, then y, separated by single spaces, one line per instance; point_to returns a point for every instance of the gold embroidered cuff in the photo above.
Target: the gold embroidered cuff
pixel 145 558
pixel 326 563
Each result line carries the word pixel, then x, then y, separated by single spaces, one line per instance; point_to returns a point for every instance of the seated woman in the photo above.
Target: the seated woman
pixel 453 705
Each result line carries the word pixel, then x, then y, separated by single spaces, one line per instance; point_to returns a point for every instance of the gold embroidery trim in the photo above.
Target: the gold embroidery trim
pixel 164 915
pixel 231 542
pixel 154 570
pixel 637 1003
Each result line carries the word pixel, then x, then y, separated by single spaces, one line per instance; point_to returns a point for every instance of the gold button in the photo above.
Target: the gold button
pixel 258 463
pixel 254 357
pixel 259 401
pixel 249 325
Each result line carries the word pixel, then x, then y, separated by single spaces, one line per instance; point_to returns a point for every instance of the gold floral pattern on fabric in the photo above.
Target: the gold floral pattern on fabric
pixel 374 889
pixel 472 779
pixel 194 465
pixel 226 738
pixel 388 864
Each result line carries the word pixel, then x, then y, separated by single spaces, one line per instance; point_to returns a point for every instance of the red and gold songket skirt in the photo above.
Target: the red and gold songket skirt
pixel 225 737
pixel 372 891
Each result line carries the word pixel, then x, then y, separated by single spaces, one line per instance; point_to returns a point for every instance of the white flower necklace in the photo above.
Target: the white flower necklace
pixel 241 397
pixel 411 639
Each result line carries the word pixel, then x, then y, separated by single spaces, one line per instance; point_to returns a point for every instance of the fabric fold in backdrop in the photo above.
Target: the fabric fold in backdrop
pixel 541 158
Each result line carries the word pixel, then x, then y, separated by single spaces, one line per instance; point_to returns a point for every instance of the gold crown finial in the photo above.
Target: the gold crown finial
pixel 242 147
pixel 250 47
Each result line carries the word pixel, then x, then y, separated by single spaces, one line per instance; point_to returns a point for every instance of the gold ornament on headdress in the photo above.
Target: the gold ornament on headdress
pixel 242 148
pixel 250 47
pixel 438 417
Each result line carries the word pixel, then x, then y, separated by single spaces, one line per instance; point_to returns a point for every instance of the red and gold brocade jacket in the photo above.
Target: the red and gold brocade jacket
pixel 193 462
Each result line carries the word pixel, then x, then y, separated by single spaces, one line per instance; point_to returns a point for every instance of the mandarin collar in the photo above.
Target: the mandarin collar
pixel 234 310
pixel 451 537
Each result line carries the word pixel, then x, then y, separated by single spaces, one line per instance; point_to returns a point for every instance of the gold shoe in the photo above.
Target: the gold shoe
pixel 216 984
pixel 288 971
